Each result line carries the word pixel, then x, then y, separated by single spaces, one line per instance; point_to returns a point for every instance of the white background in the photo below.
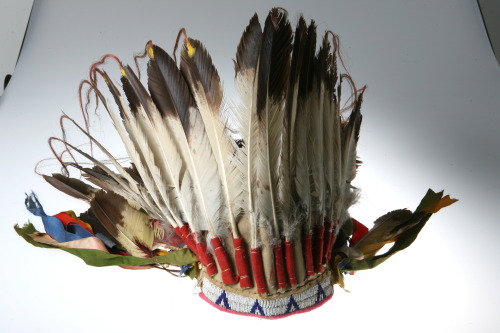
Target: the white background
pixel 431 117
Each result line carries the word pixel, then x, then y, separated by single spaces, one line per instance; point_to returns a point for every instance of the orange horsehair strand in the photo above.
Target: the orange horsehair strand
pixel 347 75
pixel 190 48
pixel 141 55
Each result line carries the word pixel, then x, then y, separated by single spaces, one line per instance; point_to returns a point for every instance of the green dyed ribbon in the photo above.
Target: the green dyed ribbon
pixel 431 203
pixel 99 258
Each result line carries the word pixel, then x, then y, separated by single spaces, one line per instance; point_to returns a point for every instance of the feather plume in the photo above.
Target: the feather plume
pixel 122 182
pixel 349 140
pixel 131 136
pixel 246 67
pixel 71 186
pixel 331 132
pixel 171 93
pixel 289 128
pixel 159 153
pixel 272 80
pixel 205 85
pixel 130 227
pixel 300 161
pixel 315 102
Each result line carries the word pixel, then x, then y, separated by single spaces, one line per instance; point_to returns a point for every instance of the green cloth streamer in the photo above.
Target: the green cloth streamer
pixel 99 258
pixel 431 203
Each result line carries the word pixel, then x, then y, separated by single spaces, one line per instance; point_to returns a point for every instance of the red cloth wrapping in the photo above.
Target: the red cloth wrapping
pixel 206 258
pixel 318 247
pixel 258 270
pixel 332 241
pixel 242 263
pixel 359 231
pixel 228 276
pixel 65 219
pixel 327 244
pixel 187 238
pixel 279 265
pixel 308 254
pixel 170 238
pixel 290 264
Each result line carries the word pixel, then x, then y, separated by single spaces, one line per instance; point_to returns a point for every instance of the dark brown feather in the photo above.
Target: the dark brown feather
pixel 247 54
pixel 354 124
pixel 199 68
pixel 321 64
pixel 274 60
pixel 98 177
pixel 97 226
pixel 168 87
pixel 107 207
pixel 134 173
pixel 71 186
pixel 297 60
pixel 136 93
pixel 130 94
pixel 115 92
pixel 306 73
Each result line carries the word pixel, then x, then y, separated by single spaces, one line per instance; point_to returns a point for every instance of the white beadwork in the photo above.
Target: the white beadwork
pixel 312 296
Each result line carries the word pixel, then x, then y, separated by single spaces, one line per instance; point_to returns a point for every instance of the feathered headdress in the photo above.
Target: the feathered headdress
pixel 251 199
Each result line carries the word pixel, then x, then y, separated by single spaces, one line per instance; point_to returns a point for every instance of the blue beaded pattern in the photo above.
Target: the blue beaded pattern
pixel 298 302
